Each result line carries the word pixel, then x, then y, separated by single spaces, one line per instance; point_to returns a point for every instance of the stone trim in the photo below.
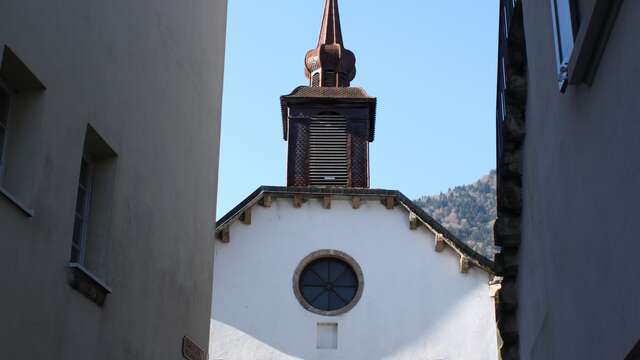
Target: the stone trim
pixel 15 202
pixel 83 281
pixel 327 254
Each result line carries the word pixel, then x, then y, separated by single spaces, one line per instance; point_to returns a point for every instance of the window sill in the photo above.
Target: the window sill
pixel 591 41
pixel 87 284
pixel 28 212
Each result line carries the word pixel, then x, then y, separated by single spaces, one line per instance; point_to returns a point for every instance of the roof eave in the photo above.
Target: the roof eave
pixel 459 246
pixel 285 100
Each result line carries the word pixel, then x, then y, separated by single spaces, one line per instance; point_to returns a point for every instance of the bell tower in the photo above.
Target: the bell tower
pixel 329 124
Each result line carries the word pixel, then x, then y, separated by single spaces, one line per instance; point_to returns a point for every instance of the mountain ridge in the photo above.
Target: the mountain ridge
pixel 468 211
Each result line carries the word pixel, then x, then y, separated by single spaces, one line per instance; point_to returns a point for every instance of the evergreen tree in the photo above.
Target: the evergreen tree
pixel 468 211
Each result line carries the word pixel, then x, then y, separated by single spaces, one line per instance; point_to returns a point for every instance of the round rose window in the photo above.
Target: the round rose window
pixel 328 284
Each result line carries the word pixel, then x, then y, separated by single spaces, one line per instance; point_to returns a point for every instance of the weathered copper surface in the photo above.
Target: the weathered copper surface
pixel 330 64
pixel 329 124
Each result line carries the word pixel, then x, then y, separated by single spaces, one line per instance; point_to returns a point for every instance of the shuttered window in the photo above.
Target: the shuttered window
pixel 328 163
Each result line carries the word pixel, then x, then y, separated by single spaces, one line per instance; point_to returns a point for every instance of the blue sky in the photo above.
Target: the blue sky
pixel 431 64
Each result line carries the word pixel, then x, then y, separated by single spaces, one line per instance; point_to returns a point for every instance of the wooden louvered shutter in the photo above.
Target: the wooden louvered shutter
pixel 358 154
pixel 328 158
pixel 297 172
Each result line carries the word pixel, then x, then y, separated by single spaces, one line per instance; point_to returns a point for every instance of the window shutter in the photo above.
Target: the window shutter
pixel 328 162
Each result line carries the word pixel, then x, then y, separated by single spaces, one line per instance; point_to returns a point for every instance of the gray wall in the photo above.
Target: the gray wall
pixel 578 279
pixel 147 75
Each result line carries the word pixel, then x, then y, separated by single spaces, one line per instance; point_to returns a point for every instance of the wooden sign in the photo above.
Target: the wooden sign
pixel 191 350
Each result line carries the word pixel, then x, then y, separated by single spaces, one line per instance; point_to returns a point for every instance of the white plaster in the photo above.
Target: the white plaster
pixel 415 305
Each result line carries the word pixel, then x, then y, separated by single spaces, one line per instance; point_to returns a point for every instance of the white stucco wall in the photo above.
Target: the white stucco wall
pixel 416 304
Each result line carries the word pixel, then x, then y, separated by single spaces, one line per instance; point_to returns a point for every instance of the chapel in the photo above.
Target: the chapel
pixel 327 267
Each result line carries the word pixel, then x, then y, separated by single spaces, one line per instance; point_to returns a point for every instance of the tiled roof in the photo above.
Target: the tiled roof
pixel 329 92
pixel 332 95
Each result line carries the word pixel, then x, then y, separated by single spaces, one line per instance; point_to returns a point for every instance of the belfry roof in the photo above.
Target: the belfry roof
pixel 330 95
pixel 417 215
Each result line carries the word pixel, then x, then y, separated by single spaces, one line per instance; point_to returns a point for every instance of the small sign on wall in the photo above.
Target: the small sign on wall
pixel 191 350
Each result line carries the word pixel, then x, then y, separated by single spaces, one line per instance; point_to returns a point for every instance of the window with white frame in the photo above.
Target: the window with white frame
pixel 83 206
pixel 564 32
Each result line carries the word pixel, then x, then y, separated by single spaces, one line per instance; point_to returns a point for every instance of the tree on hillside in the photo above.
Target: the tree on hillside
pixel 468 211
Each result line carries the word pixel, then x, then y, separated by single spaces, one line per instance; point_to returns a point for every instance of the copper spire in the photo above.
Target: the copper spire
pixel 330 64
pixel 330 32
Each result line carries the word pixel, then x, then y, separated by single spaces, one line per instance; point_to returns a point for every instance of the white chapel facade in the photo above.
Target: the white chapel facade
pixel 327 268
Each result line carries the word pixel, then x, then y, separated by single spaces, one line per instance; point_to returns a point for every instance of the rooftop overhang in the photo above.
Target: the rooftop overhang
pixel 330 96
pixel 264 196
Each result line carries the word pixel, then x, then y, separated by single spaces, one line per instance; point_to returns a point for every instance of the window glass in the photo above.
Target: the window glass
pixel 328 284
pixel 4 114
pixel 82 212
pixel 564 29
pixel 2 135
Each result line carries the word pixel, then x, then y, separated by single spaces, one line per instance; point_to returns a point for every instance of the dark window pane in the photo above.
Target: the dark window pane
pixel 335 302
pixel 310 278
pixel 311 293
pixel 4 107
pixel 84 173
pixel 77 231
pixel 564 28
pixel 76 244
pixel 81 201
pixel 321 302
pixel 347 279
pixel 328 284
pixel 321 268
pixel 2 134
pixel 336 269
pixel 346 293
pixel 81 214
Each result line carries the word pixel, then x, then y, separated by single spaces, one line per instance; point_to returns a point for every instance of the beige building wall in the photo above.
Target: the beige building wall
pixel 138 85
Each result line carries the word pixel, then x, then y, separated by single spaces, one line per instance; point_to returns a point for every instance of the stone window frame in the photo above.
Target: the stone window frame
pixel 99 160
pixel 331 254
pixel 82 217
pixel 18 80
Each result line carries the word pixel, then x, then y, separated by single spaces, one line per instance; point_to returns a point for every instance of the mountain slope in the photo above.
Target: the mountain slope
pixel 468 211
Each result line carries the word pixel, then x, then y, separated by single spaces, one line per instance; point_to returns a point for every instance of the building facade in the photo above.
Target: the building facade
pixel 567 179
pixel 109 136
pixel 412 295
pixel 327 268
